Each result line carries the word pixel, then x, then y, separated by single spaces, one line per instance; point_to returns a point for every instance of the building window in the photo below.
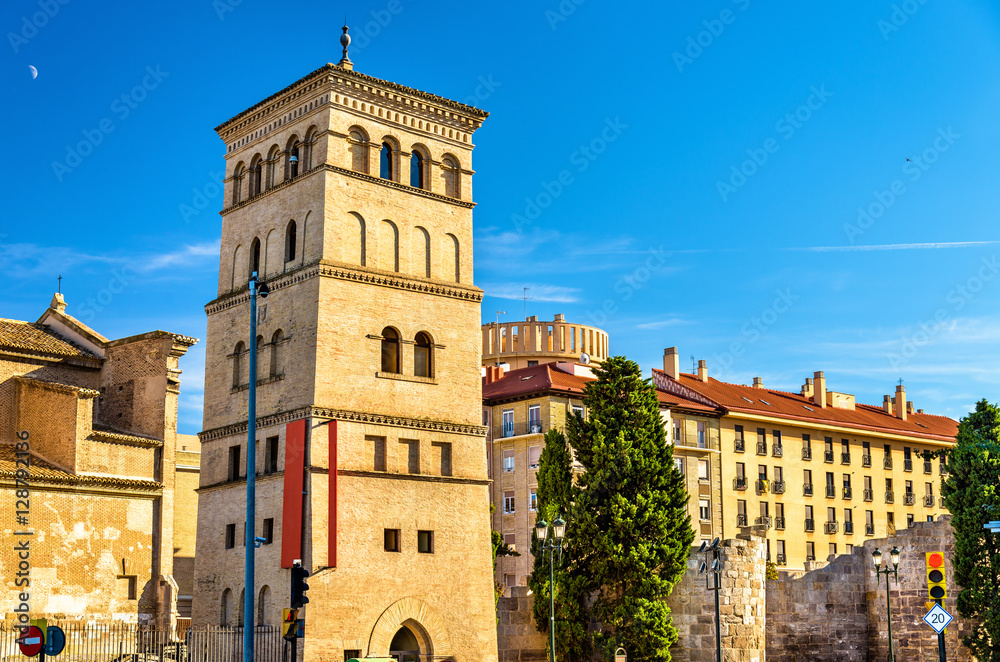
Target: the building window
pixel 292 167
pixel 357 143
pixel 810 551
pixel 390 350
pixel 271 459
pixel 385 162
pixel 508 502
pixel 417 177
pixel 703 470
pixel 290 242
pixel 532 500
pixel 702 441
pixel 276 340
pixel 677 431
pixel 238 183
pixel 508 423
pixel 412 447
pixel 833 548
pixel 238 363
pixel 679 464
pixel 508 461
pixel 378 448
pixel 425 542
pixel 704 510
pixel 741 512
pixel 392 540
pixel 352 655
pixel 254 266
pixel 578 410
pixel 255 175
pixel 444 448
pixel 422 356
pixel 230 536
pixel 534 456
pixel 508 581
pixel 268 531
pixel 234 462
pixel 532 364
pixel 450 175
pixel 510 540
pixel 534 419
pixel 781 553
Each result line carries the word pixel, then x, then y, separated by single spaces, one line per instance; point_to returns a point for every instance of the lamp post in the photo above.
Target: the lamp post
pixel 716 571
pixel 879 571
pixel 256 289
pixel 550 545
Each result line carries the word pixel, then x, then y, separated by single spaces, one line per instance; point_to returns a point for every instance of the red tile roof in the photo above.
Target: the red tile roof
pixel 41 472
pixel 536 379
pixel 38 339
pixel 798 408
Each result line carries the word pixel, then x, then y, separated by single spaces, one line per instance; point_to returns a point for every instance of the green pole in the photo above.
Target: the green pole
pixel 552 603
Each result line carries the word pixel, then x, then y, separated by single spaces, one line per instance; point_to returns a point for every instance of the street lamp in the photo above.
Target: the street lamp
pixel 894 571
pixel 550 545
pixel 715 568
pixel 256 289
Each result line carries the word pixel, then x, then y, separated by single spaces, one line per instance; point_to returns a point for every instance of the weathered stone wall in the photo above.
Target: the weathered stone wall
pixel 517 638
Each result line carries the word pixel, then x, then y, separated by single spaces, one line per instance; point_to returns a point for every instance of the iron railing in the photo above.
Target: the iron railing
pixel 763 520
pixel 927 467
pixel 832 527
pixel 890 497
pixel 776 450
pixel 807 453
pixel 807 489
pixel 741 520
pixel 869 529
pixel 907 465
pixel 778 487
pixel 909 498
pixel 739 446
pixel 845 458
pixel 869 495
pixel 517 428
pixel 810 524
pixel 887 462
pixel 848 527
pixel 781 559
pixel 831 491
pixel 847 492
pixel 761 448
pixel 779 523
pixel 929 501
pixel 740 483
pixel 866 460
pixel 828 456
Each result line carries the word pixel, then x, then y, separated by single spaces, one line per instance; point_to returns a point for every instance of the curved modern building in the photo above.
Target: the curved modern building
pixel 532 342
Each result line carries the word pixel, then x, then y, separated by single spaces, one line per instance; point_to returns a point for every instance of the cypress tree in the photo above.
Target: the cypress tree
pixel 629 533
pixel 972 495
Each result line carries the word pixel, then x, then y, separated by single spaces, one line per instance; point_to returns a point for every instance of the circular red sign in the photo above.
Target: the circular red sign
pixel 32 641
pixel 936 560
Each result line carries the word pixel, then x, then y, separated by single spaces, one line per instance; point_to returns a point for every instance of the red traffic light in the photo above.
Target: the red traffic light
pixel 935 559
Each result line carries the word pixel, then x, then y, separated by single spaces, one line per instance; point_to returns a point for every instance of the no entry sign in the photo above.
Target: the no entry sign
pixel 32 640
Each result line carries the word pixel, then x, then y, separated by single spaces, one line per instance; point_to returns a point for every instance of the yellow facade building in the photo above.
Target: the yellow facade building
pixel 351 196
pixel 817 471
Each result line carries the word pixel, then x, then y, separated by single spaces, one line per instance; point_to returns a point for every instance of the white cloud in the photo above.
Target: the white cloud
pixel 661 324
pixel 552 293
pixel 31 261
pixel 896 247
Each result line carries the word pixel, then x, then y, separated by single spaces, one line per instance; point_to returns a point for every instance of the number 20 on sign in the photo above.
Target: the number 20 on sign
pixel 938 618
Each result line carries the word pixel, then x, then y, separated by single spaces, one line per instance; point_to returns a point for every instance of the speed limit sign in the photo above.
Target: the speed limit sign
pixel 938 618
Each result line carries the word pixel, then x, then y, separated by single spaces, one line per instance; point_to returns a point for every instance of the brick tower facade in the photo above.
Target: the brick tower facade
pixel 351 196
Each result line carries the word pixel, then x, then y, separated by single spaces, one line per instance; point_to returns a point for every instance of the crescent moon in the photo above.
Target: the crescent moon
pixel 34 72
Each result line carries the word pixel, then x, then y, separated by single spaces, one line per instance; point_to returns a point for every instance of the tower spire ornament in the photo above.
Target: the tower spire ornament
pixel 345 41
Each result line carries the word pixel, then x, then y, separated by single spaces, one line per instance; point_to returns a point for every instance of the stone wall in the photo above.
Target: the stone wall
pixel 517 638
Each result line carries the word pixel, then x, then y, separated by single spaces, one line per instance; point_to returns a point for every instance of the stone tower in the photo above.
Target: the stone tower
pixel 352 197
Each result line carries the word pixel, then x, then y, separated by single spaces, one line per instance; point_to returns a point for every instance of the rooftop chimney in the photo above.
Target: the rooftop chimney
pixel 887 404
pixel 910 408
pixel 702 370
pixel 560 317
pixel 899 402
pixel 493 373
pixel 807 388
pixel 672 362
pixel 819 389
pixel 758 382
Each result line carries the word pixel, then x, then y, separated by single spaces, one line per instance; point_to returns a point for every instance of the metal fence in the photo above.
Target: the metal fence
pixel 132 643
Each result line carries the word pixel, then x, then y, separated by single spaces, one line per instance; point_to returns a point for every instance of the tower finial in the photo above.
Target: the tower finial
pixel 345 41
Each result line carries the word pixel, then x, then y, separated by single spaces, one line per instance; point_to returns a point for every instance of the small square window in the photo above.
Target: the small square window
pixel 425 542
pixel 704 510
pixel 271 460
pixel 352 655
pixel 131 585
pixel 532 500
pixel 508 461
pixel 234 463
pixel 268 532
pixel 703 470
pixel 392 540
pixel 230 536
pixel 508 502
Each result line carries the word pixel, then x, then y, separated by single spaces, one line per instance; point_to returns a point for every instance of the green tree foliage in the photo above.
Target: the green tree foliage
pixel 972 494
pixel 500 548
pixel 629 532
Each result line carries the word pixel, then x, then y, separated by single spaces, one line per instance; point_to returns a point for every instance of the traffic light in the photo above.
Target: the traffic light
pixel 289 623
pixel 299 586
pixel 936 587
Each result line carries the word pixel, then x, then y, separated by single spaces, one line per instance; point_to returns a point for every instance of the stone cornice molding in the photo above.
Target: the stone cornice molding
pixel 331 413
pixel 79 391
pixel 124 439
pixel 393 476
pixel 99 484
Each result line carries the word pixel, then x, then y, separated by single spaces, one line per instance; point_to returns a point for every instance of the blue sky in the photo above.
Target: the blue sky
pixel 730 177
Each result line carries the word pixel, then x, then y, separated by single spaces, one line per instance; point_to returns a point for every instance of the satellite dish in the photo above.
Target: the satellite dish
pixel 584 358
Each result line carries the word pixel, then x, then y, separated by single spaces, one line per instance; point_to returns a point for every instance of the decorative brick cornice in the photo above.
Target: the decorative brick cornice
pixel 106 484
pixel 113 437
pixel 393 476
pixel 331 413
pixel 345 272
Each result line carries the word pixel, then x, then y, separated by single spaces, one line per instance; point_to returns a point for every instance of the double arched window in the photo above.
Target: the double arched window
pixel 276 340
pixel 254 257
pixel 256 172
pixel 418 166
pixel 390 350
pixel 450 177
pixel 357 145
pixel 272 160
pixel 238 364
pixel 290 240
pixel 422 366
pixel 292 157
pixel 385 170
pixel 238 174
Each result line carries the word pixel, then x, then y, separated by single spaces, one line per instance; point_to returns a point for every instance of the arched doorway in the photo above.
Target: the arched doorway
pixel 404 646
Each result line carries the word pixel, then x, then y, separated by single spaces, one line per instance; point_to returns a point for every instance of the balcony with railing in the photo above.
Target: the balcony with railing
pixel 845 458
pixel 776 450
pixel 928 469
pixel 810 524
pixel 741 520
pixel 907 465
pixel 807 489
pixel 740 483
pixel 810 557
pixel 740 446
pixel 778 487
pixel 887 462
pixel 518 428
pixel 890 497
pixel 764 521
pixel 779 523
pixel 781 559
pixel 868 495
pixel 909 498
pixel 761 448
pixel 849 527
pixel 831 492
pixel 869 529
pixel 763 486
pixel 847 492
pixel 832 527
pixel 866 460
pixel 807 453
pixel 828 457
pixel 929 501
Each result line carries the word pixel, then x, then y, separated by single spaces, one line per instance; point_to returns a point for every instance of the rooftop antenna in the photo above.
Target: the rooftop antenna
pixel 526 297
pixel 499 313
pixel 694 366
pixel 345 41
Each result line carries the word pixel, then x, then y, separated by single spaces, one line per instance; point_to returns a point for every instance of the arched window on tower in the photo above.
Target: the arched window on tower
pixel 390 350
pixel 273 156
pixel 450 174
pixel 254 257
pixel 292 155
pixel 422 365
pixel 260 355
pixel 256 171
pixel 385 162
pixel 290 240
pixel 307 149
pixel 238 173
pixel 357 144
pixel 238 364
pixel 276 341
pixel 226 608
pixel 418 178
